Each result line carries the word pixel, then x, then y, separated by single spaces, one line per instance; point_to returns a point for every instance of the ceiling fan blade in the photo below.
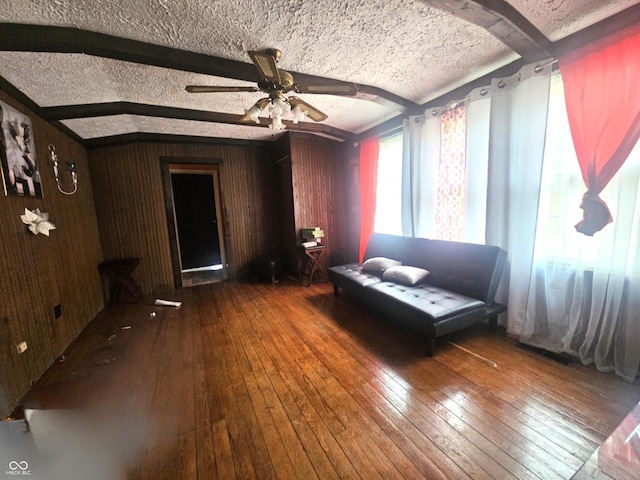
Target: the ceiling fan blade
pixel 265 62
pixel 214 89
pixel 348 89
pixel 310 111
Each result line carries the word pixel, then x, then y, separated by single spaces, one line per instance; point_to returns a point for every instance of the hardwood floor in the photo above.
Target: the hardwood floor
pixel 280 381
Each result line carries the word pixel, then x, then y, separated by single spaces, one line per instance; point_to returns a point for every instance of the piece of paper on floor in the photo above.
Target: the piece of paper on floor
pixel 167 303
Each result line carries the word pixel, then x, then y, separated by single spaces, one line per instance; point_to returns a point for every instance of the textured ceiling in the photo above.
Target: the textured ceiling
pixel 403 47
pixel 79 79
pixel 560 18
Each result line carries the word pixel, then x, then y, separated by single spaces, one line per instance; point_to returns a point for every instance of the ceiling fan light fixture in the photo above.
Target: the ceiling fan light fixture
pixel 276 110
pixel 253 113
pixel 276 123
pixel 283 103
pixel 298 114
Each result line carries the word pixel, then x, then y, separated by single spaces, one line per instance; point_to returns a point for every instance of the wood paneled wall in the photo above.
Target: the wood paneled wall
pixel 131 209
pixel 37 273
pixel 319 172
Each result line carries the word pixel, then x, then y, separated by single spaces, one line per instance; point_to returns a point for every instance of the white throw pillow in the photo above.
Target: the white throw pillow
pixel 379 265
pixel 405 275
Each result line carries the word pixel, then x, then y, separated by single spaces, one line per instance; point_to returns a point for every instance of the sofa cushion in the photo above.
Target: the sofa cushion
pixel 433 302
pixel 405 274
pixel 378 265
pixel 415 253
pixel 470 269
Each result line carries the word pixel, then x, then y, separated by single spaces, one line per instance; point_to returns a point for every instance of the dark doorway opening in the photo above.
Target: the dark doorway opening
pixel 194 216
pixel 196 220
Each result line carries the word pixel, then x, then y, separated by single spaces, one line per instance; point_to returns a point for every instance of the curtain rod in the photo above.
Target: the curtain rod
pixel 389 133
pixel 461 101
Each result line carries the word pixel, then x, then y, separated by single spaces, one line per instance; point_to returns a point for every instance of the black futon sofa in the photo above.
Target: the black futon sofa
pixel 457 293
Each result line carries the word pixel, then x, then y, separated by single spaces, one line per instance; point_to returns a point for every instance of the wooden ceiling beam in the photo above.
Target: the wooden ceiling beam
pixel 144 137
pixel 618 24
pixel 453 95
pixel 67 112
pixel 53 39
pixel 504 22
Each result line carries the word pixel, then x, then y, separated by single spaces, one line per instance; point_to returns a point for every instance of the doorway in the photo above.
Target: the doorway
pixel 197 224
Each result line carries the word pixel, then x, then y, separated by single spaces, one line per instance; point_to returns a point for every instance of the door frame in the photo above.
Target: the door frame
pixel 211 166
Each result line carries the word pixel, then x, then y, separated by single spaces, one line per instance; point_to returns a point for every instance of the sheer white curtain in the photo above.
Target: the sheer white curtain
pixel 518 121
pixel 478 117
pixel 585 292
pixel 420 160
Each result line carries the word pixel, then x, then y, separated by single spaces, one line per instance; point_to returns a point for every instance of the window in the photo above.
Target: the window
pixel 450 171
pixel 389 188
pixel 562 188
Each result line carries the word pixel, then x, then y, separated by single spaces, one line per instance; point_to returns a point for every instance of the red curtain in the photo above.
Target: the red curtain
pixel 368 183
pixel 602 93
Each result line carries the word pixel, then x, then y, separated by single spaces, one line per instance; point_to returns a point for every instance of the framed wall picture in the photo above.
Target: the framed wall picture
pixel 20 175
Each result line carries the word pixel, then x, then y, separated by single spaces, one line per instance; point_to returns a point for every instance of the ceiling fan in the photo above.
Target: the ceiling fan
pixel 277 84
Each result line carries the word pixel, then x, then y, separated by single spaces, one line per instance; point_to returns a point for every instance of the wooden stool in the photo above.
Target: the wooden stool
pixel 117 283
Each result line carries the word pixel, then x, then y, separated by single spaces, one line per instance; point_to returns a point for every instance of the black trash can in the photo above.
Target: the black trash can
pixel 269 268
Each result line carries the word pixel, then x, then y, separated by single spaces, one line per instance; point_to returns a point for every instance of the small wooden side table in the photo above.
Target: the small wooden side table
pixel 310 264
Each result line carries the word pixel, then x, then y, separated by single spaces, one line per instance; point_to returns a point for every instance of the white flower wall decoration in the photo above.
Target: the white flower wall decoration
pixel 37 222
